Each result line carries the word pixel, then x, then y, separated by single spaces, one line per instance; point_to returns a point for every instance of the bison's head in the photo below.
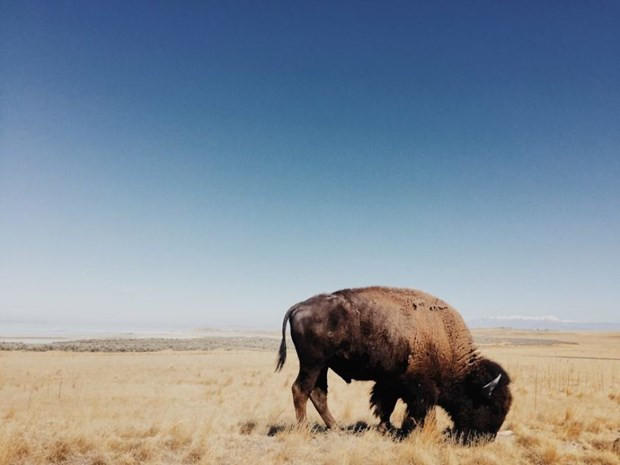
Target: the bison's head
pixel 478 406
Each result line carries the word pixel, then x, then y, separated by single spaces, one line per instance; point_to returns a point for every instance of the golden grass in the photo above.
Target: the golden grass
pixel 217 407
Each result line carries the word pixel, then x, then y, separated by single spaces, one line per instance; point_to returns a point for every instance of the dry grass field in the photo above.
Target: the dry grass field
pixel 218 406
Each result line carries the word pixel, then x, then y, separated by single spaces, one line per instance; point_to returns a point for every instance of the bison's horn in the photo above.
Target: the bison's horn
pixel 488 388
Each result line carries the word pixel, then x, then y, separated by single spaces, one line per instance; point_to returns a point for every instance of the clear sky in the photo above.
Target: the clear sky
pixel 211 163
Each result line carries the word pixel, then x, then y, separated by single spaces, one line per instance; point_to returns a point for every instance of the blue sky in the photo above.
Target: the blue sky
pixel 212 163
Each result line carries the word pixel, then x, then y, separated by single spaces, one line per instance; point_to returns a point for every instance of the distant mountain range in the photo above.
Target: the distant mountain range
pixel 547 322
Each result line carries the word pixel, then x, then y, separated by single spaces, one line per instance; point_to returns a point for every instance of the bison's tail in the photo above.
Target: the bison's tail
pixel 282 350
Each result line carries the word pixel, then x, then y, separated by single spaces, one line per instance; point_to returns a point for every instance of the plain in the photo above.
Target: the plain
pixel 229 407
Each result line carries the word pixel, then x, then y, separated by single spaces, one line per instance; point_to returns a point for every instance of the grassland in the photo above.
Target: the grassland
pixel 219 406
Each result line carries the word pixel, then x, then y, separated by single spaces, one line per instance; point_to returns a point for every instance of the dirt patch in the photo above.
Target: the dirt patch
pixel 149 345
pixel 519 341
pixel 216 343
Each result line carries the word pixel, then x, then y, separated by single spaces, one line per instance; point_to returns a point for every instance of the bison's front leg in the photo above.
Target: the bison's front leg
pixel 420 396
pixel 414 418
pixel 383 398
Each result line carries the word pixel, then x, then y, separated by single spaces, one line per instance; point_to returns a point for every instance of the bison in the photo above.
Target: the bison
pixel 414 346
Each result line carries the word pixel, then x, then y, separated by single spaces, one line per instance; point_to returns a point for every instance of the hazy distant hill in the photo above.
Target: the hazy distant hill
pixel 541 323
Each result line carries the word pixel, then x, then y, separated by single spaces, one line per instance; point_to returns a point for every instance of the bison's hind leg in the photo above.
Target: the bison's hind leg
pixel 302 387
pixel 383 398
pixel 311 383
pixel 318 396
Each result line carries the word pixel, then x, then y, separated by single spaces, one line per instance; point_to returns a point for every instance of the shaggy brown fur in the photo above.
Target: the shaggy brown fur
pixel 415 346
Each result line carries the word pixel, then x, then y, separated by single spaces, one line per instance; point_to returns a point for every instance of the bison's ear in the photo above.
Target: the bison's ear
pixel 487 389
